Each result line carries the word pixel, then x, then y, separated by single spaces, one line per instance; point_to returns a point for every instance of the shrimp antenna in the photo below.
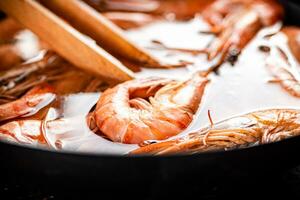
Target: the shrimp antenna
pixel 204 140
pixel 210 118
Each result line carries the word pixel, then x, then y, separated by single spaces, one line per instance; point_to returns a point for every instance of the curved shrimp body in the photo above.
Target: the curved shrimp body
pixel 29 104
pixel 286 73
pixel 224 13
pixel 215 14
pixel 293 36
pixel 23 131
pixel 236 23
pixel 148 109
pixel 254 128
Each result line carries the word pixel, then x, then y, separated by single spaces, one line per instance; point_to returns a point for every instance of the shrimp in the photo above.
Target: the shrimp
pixel 279 65
pixel 23 131
pixel 293 34
pixel 29 104
pixel 147 109
pixel 235 23
pixel 260 127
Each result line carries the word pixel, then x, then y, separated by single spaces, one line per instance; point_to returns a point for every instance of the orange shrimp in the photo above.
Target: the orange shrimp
pixel 278 63
pixel 224 13
pixel 23 131
pixel 254 128
pixel 148 109
pixel 235 23
pixel 29 104
pixel 293 35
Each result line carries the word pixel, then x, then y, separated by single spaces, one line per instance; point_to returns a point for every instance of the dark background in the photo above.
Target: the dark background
pixel 282 184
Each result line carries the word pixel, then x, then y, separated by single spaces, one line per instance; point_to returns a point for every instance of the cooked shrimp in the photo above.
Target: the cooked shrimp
pixel 254 128
pixel 23 131
pixel 293 36
pixel 224 13
pixel 148 109
pixel 34 100
pixel 286 73
pixel 236 23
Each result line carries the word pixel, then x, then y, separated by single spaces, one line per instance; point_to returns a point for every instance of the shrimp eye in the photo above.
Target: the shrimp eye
pixel 264 48
pixel 233 56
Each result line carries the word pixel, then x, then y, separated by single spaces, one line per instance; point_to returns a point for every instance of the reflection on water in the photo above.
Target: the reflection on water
pixel 70 131
pixel 28 44
pixel 185 35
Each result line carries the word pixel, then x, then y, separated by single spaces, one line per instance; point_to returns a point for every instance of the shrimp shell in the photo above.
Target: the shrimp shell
pixel 235 23
pixel 147 109
pixel 29 104
pixel 254 128
pixel 279 65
